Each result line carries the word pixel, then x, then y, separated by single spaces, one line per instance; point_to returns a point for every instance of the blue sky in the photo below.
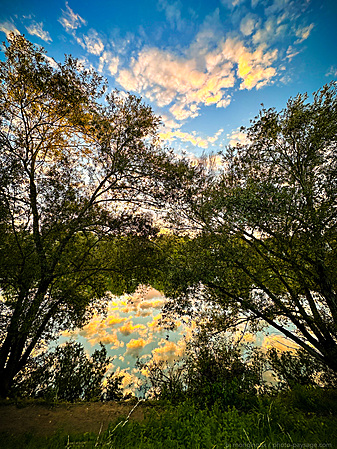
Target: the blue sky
pixel 205 67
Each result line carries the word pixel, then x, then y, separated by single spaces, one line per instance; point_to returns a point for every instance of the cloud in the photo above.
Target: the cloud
pixel 93 43
pixel 36 29
pixel 172 13
pixel 248 24
pixel 169 350
pixel 155 323
pixel 279 342
pixel 303 33
pixel 231 3
pixel 71 21
pixel 168 79
pixel 191 137
pixel 113 320
pixel 8 27
pixel 129 328
pixel 135 346
pixel 51 61
pixel 237 137
pixel 274 29
pixel 104 336
pixel 151 293
pixel 291 53
pixel 111 60
pixel 100 330
pixel 332 71
pixel 255 68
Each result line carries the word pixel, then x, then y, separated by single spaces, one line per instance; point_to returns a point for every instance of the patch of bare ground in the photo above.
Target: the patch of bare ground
pixel 45 420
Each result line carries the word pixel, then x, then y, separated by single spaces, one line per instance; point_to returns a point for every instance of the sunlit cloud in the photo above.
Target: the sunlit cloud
pixel 155 325
pixel 254 68
pixel 105 336
pixel 70 20
pixel 129 328
pixel 278 342
pixel 36 29
pixel 169 350
pixel 168 79
pixel 100 330
pixel 110 60
pixel 193 138
pixel 237 137
pixel 93 43
pixel 8 27
pixel 135 346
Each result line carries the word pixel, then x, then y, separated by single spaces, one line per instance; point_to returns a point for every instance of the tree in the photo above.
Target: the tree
pixel 265 244
pixel 69 374
pixel 78 177
pixel 212 370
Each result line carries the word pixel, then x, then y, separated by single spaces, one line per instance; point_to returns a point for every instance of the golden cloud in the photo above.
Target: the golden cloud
pixel 253 67
pixel 135 346
pixel 191 137
pixel 166 78
pixel 278 342
pixel 169 350
pixel 128 328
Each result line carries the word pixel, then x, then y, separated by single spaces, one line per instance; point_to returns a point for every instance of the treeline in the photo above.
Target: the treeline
pixel 213 371
pixel 86 189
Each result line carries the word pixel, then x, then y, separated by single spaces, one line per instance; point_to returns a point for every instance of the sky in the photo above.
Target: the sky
pixel 205 66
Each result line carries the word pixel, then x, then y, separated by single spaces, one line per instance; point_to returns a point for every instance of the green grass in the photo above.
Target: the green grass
pixel 280 422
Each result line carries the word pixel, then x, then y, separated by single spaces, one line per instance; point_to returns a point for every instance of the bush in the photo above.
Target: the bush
pixel 69 374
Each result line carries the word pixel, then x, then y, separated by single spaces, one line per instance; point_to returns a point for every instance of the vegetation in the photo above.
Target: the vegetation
pixel 78 175
pixel 273 423
pixel 264 248
pixel 69 374
pixel 83 182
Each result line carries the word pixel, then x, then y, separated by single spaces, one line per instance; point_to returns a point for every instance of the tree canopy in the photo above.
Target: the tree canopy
pixel 79 173
pixel 265 244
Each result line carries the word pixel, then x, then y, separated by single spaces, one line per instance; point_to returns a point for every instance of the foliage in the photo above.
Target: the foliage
pixel 212 371
pixel 79 175
pixel 223 372
pixel 186 426
pixel 164 380
pixel 264 247
pixel 293 369
pixel 69 374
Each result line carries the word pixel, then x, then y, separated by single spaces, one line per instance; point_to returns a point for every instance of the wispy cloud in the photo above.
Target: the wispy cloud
pixel 36 29
pixel 303 33
pixel 70 20
pixel 172 13
pixel 193 138
pixel 332 71
pixel 279 342
pixel 8 27
pixel 93 42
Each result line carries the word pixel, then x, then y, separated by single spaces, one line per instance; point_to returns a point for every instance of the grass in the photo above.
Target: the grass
pixel 298 420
